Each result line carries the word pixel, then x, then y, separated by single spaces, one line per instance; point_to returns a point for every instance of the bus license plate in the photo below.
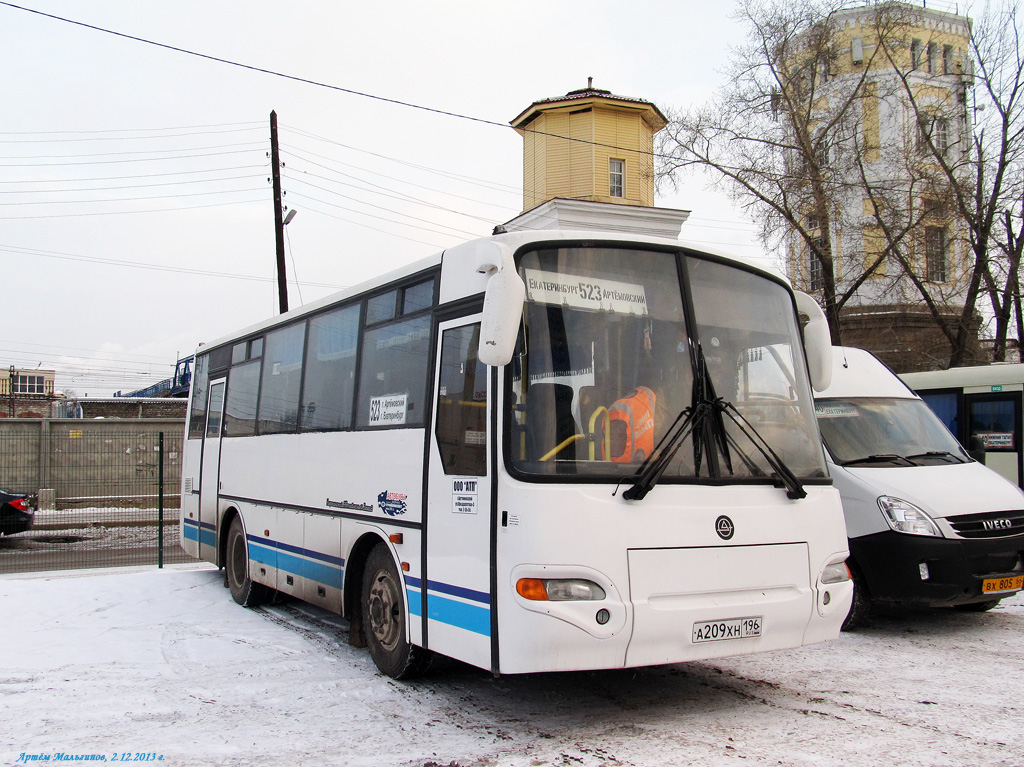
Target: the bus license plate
pixel 736 628
pixel 993 585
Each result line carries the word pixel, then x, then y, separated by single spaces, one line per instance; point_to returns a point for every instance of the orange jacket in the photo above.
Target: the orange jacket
pixel 631 422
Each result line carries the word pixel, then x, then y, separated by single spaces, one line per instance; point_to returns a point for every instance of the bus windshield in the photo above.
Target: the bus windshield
pixel 878 431
pixel 620 345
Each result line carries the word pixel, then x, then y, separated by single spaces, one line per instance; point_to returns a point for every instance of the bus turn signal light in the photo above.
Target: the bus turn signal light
pixel 559 589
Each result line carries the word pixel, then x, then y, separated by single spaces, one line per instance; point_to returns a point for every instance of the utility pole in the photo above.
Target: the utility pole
pixel 275 163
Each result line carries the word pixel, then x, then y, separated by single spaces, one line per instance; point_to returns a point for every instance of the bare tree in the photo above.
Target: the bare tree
pixel 765 136
pixel 875 173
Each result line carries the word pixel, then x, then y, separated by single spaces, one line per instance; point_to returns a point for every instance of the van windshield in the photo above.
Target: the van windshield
pixel 620 344
pixel 885 431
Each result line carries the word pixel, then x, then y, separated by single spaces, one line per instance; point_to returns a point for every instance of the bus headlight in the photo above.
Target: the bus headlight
pixel 905 517
pixel 559 589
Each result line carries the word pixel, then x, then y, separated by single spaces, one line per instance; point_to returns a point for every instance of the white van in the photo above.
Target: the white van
pixel 928 525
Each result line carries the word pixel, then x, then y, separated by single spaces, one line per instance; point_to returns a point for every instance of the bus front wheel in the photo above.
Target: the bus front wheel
pixel 385 619
pixel 236 563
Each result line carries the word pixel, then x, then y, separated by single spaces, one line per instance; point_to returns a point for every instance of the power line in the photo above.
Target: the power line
pixel 72 348
pixel 297 153
pixel 493 185
pixel 140 265
pixel 250 144
pixel 129 199
pixel 367 226
pixel 381 218
pixel 252 123
pixel 112 162
pixel 127 186
pixel 131 212
pixel 122 178
pixel 251 67
pixel 320 84
pixel 108 138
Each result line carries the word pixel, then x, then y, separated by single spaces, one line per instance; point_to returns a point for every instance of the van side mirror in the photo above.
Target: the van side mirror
pixel 503 305
pixel 817 341
pixel 976 448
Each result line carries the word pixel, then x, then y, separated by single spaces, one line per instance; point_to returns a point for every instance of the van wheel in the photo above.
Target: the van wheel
pixel 385 621
pixel 236 566
pixel 860 609
pixel 977 607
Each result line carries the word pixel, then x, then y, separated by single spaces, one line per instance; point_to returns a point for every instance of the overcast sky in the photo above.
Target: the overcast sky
pixel 135 211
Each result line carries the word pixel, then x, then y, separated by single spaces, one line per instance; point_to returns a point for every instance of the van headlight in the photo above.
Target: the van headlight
pixel 905 517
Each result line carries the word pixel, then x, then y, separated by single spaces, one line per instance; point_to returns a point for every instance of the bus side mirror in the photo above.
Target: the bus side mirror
pixel 817 341
pixel 503 305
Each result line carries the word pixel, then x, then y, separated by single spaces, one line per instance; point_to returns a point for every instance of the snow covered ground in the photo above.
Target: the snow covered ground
pixel 163 666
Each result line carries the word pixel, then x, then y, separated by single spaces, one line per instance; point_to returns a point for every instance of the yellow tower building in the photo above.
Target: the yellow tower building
pixel 589 145
pixel 588 163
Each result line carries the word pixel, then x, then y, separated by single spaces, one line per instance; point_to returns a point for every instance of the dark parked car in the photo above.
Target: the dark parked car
pixel 15 513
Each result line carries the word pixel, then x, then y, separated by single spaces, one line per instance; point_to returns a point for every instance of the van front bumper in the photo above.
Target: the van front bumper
pixel 936 572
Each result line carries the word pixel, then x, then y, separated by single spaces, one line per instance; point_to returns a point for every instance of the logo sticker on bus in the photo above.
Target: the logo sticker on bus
pixel 464 493
pixel 392 504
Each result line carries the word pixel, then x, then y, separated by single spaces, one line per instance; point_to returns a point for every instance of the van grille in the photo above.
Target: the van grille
pixel 993 524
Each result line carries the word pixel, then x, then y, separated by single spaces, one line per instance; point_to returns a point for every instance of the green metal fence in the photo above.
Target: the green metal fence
pixel 104 498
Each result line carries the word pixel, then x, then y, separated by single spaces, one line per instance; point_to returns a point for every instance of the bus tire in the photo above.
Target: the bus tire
pixel 385 620
pixel 236 569
pixel 860 608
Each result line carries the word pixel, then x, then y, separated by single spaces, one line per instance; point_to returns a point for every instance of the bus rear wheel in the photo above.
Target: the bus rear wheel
pixel 236 563
pixel 385 620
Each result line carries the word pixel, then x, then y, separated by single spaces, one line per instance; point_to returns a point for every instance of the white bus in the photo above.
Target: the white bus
pixel 982 407
pixel 539 451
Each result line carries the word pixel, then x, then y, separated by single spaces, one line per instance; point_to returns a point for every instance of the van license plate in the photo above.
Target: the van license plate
pixel 994 585
pixel 736 628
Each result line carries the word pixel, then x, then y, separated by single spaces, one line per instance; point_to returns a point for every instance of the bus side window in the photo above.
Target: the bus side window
pixel 200 384
pixel 461 428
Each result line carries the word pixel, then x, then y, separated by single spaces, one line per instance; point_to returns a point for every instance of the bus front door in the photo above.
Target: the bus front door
pixel 995 417
pixel 209 473
pixel 457 601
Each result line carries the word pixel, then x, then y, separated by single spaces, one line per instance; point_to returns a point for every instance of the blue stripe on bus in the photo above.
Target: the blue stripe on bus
pixel 470 617
pixel 278 545
pixel 413 593
pixel 459 591
pixel 203 532
pixel 459 614
pixel 328 571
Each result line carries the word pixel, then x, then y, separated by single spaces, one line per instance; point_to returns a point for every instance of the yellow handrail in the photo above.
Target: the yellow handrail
pixel 607 434
pixel 556 450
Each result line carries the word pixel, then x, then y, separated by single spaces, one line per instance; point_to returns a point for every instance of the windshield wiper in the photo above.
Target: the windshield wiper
pixel 705 415
pixel 794 487
pixel 696 418
pixel 655 464
pixel 937 454
pixel 878 458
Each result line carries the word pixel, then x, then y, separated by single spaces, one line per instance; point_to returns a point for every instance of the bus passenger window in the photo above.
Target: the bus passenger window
pixel 330 370
pixel 243 390
pixel 418 297
pixel 282 375
pixel 461 429
pixel 393 374
pixel 200 384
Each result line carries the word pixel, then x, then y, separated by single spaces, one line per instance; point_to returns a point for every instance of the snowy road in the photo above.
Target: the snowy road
pixel 164 664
